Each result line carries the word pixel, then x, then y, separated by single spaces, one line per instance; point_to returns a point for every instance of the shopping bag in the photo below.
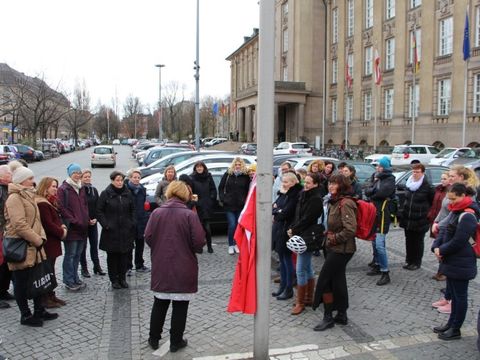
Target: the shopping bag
pixel 41 278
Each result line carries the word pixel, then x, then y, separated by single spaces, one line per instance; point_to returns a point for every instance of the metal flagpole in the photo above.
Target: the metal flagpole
pixel 375 101
pixel 266 94
pixel 197 83
pixel 465 85
pixel 466 57
pixel 346 115
pixel 414 100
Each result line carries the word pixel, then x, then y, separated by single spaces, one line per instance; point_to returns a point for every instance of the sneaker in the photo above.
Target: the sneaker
pixel 81 284
pixel 441 302
pixel 236 249
pixel 73 287
pixel 231 250
pixel 447 309
pixel 143 269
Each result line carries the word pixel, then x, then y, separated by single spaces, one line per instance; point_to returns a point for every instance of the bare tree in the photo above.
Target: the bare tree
pixel 79 115
pixel 104 121
pixel 132 109
pixel 172 100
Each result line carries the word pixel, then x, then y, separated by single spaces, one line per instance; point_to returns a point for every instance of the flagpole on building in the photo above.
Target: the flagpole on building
pixel 414 73
pixel 414 107
pixel 375 101
pixel 466 57
pixel 266 94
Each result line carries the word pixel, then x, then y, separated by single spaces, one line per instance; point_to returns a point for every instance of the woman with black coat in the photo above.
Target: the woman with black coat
pixel 456 256
pixel 283 214
pixel 116 214
pixel 206 191
pixel 414 220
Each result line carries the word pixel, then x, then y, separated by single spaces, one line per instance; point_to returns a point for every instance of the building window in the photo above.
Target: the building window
pixel 349 108
pixel 446 36
pixel 285 11
pixel 350 65
pixel 444 92
pixel 477 26
pixel 368 14
pixel 285 40
pixel 334 111
pixel 368 60
pixel 285 73
pixel 350 17
pixel 415 3
pixel 418 40
pixel 388 114
pixel 476 94
pixel 389 9
pixel 334 71
pixel 411 104
pixel 390 54
pixel 367 106
pixel 335 26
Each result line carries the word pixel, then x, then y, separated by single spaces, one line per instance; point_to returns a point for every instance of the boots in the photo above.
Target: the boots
pixel 341 318
pixel 327 321
pixel 300 303
pixel 286 294
pixel 57 300
pixel 279 291
pixel 97 270
pixel 309 292
pixel 209 246
pixel 385 279
pixel 374 270
pixel 49 302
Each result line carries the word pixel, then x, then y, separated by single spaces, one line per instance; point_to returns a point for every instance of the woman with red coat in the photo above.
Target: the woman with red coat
pixel 175 235
pixel 56 231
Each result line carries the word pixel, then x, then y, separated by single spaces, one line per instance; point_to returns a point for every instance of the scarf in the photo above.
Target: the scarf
pixel 52 199
pixel 237 173
pixel 413 185
pixel 460 205
pixel 76 186
pixel 133 187
pixel 89 189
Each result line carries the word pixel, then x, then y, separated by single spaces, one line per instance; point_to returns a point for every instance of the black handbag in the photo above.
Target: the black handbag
pixel 314 237
pixel 14 249
pixel 41 278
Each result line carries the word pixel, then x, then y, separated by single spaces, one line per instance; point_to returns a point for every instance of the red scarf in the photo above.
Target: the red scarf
pixel 460 205
pixel 52 199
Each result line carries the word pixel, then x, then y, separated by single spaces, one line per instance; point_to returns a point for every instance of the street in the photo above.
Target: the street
pixel 388 322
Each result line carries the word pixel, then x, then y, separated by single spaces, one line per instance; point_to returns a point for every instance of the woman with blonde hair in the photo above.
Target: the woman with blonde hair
pixel 233 191
pixel 169 175
pixel 175 235
pixel 316 166
pixel 55 230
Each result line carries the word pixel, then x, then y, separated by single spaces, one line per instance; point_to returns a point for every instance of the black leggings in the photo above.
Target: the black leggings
pixel 178 320
pixel 414 246
pixel 117 264
pixel 20 284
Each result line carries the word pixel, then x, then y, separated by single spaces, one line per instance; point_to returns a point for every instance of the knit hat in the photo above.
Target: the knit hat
pixel 21 174
pixel 384 162
pixel 73 167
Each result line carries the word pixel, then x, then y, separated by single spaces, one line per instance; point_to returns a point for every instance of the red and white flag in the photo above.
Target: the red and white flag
pixel 376 64
pixel 243 297
pixel 348 76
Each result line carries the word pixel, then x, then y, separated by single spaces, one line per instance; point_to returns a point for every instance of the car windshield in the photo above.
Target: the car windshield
pixel 402 150
pixel 445 152
pixel 471 154
pixel 300 146
pixel 102 151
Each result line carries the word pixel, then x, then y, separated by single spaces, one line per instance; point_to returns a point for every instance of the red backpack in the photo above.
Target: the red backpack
pixel 366 219
pixel 476 236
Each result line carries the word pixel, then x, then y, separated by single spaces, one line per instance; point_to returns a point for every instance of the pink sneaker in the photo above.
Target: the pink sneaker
pixel 441 302
pixel 447 309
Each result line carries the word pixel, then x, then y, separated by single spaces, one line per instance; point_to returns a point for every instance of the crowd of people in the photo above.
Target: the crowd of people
pixel 49 213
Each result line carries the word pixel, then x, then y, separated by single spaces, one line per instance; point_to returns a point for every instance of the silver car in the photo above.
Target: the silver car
pixel 103 155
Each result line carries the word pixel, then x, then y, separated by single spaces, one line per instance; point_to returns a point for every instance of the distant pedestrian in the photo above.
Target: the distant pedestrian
pixel 175 235
pixel 169 175
pixel 116 215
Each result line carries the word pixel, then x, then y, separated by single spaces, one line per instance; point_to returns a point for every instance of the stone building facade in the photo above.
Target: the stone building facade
pixel 426 106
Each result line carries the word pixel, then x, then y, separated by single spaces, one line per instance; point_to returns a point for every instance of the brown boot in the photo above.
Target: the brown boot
pixel 300 303
pixel 309 292
pixel 57 300
pixel 49 302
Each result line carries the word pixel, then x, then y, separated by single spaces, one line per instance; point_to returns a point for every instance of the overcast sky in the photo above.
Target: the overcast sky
pixel 114 44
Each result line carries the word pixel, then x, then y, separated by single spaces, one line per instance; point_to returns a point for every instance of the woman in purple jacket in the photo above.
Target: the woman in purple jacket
pixel 175 235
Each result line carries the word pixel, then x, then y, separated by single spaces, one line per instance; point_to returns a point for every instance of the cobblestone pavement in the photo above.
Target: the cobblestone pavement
pixel 389 322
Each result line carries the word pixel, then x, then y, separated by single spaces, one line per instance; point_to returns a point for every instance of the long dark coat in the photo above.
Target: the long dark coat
pixel 283 215
pixel 204 187
pixel 381 191
pixel 74 210
pixel 309 209
pixel 116 214
pixel 52 224
pixel 415 209
pixel 139 197
pixel 233 191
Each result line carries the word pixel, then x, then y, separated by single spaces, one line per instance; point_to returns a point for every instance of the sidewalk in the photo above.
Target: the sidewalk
pixel 389 322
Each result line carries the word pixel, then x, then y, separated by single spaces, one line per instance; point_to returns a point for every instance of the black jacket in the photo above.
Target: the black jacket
pixel 415 209
pixel 204 187
pixel 116 214
pixel 381 191
pixel 233 191
pixel 283 215
pixel 309 209
pixel 92 199
pixel 139 197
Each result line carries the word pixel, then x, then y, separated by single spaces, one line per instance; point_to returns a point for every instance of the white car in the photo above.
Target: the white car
pixel 292 148
pixel 411 154
pixel 215 141
pixel 116 142
pixel 447 155
pixel 304 161
pixel 103 155
pixel 373 159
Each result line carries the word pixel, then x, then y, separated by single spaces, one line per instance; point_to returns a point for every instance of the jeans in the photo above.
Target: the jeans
pixel 380 251
pixel 93 241
pixel 459 291
pixel 232 220
pixel 304 268
pixel 20 283
pixel 71 260
pixel 178 320
pixel 286 269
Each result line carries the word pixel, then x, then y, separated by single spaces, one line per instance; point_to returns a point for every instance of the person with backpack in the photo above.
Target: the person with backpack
pixel 456 256
pixel 380 193
pixel 418 199
pixel 340 246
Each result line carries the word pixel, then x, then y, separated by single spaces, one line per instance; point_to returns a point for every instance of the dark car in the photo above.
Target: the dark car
pixel 470 159
pixel 27 153
pixel 158 152
pixel 248 149
pixel 363 171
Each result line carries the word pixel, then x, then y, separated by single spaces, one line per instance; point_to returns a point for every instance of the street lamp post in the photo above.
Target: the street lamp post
pixel 160 111
pixel 197 84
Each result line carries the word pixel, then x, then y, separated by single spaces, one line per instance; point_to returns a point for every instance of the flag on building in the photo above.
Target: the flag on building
pixel 243 297
pixel 376 65
pixel 215 109
pixel 466 39
pixel 348 76
pixel 416 61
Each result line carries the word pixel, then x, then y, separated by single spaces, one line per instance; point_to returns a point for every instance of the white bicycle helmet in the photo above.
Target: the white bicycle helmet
pixel 296 244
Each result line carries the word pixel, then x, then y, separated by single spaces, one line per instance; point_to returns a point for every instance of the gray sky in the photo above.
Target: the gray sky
pixel 114 44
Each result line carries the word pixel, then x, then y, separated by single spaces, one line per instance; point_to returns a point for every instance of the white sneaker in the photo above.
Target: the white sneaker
pixel 231 250
pixel 237 250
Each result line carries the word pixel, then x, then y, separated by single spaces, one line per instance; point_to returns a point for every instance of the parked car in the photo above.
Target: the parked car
pixel 292 148
pixel 103 155
pixel 470 159
pixel 215 141
pixel 116 142
pixel 38 155
pixel 373 159
pixel 6 155
pixel 363 171
pixel 157 153
pixel 27 153
pixel 248 149
pixel 304 161
pixel 410 154
pixel 292 159
pixel 447 155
